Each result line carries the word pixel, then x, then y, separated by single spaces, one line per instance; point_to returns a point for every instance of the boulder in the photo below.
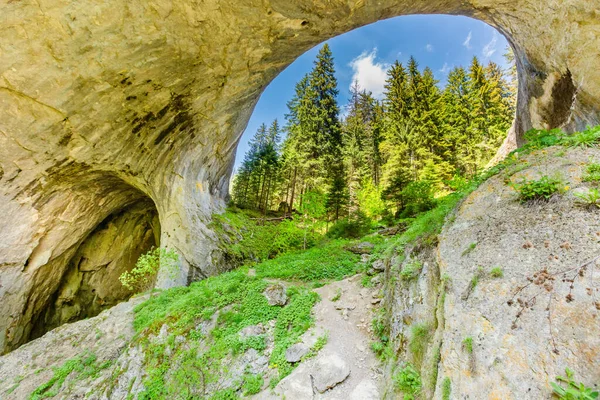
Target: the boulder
pixel 295 352
pixel 361 248
pixel 276 294
pixel 328 372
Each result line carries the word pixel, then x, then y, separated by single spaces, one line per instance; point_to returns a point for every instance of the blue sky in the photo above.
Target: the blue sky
pixel 438 41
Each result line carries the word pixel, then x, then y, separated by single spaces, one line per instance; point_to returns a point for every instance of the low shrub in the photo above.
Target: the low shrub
pixel 408 381
pixel 540 189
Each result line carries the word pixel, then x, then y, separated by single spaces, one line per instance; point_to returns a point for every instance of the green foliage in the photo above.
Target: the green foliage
pixel 540 189
pixel 587 138
pixel 81 367
pixel 319 344
pixel 592 173
pixel 350 229
pixel 589 198
pixel 142 276
pixel 252 384
pixel 468 344
pixel 259 241
pixel 411 270
pixel 419 338
pixel 496 272
pixel 338 295
pixel 408 381
pixel 446 388
pixel 417 197
pixel 566 388
pixel 330 261
pixel 469 249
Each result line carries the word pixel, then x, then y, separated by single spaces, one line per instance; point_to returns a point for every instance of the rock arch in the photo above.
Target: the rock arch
pixel 105 104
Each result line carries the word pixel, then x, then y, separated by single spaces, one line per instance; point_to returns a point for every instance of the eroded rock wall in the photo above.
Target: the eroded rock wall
pixel 103 104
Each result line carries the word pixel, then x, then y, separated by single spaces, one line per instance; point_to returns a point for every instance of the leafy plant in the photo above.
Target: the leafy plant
pixel 589 198
pixel 588 138
pixel 408 381
pixel 540 189
pixel 252 384
pixel 592 173
pixel 566 388
pixel 142 276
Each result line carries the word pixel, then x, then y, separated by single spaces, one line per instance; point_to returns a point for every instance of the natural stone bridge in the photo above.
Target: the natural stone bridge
pixel 115 112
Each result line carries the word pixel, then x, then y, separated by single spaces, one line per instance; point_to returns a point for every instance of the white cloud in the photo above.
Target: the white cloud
pixel 490 48
pixel 445 68
pixel 369 74
pixel 467 42
pixel 429 47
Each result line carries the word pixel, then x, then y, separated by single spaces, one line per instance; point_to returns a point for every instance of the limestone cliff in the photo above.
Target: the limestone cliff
pixel 103 105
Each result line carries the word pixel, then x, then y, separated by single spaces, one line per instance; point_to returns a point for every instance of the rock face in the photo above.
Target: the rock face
pixel 522 291
pixel 103 106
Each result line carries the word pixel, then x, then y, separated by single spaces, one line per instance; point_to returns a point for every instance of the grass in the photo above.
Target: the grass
pixel 252 384
pixel 496 272
pixel 80 367
pixel 446 389
pixel 468 344
pixel 338 295
pixel 328 262
pixel 469 249
pixel 419 339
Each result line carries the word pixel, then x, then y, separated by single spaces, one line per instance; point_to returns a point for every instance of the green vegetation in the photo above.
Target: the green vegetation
pixel 468 344
pixel 446 389
pixel 540 189
pixel 469 249
pixel 142 276
pixel 330 261
pixel 385 159
pixel 411 270
pixel 592 173
pixel 408 381
pixel 319 344
pixel 260 239
pixel 590 198
pixel 252 384
pixel 496 272
pixel 419 339
pixel 587 138
pixel 78 368
pixel 566 388
pixel 338 295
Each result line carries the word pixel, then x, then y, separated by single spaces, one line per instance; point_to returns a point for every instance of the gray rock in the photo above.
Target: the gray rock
pixel 295 352
pixel 378 265
pixel 361 248
pixel 364 258
pixel 365 390
pixel 253 330
pixel 276 295
pixel 329 371
pixel 376 280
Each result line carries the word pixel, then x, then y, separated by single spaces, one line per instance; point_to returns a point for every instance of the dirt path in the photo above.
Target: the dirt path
pixel 346 363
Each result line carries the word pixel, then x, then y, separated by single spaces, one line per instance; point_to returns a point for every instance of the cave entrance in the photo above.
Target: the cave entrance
pixel 90 283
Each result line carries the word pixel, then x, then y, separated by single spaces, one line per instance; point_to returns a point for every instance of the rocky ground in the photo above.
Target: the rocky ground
pixel 345 368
